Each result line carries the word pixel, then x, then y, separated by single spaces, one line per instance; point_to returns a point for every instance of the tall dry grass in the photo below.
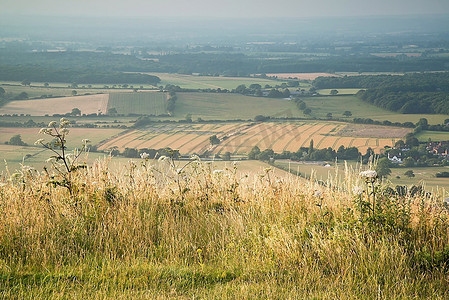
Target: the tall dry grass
pixel 153 230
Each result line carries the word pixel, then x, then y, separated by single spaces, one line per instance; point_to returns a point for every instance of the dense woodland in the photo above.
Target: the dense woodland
pixel 408 94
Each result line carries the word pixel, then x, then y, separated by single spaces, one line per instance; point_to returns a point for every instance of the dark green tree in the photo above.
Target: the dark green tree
pixel 254 152
pixel 409 173
pixel 214 140
pixel 76 112
pixel 227 156
pixel 112 111
pixel 16 140
pixel 383 167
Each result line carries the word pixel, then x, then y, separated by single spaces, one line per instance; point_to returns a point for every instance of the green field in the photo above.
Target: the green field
pixel 37 89
pixel 74 138
pixel 435 136
pixel 215 106
pixel 337 105
pixel 425 175
pixel 100 121
pixel 148 103
pixel 209 82
pixel 327 92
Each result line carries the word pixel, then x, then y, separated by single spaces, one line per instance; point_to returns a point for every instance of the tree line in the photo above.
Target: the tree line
pixel 75 74
pixel 409 94
pixel 225 64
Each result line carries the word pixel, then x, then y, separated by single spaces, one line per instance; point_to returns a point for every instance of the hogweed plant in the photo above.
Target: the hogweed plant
pixel 63 162
pixel 370 177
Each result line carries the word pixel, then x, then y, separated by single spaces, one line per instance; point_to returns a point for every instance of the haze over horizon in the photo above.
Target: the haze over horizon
pixel 230 8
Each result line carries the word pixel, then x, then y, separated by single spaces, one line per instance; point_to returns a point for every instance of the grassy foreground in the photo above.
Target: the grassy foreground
pixel 154 230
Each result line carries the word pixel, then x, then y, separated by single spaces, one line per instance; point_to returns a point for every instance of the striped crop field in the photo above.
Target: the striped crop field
pixel 240 137
pixel 142 103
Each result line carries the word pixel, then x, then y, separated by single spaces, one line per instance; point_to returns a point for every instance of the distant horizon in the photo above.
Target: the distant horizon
pixel 203 17
pixel 228 9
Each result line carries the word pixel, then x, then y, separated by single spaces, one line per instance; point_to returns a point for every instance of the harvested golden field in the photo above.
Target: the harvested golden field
pixel 240 137
pixel 40 107
pixel 301 76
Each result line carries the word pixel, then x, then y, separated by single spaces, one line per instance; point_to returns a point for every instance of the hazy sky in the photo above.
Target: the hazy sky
pixel 224 8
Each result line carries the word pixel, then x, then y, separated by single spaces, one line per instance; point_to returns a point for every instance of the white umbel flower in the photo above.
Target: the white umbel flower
pixel 368 174
pixel 144 155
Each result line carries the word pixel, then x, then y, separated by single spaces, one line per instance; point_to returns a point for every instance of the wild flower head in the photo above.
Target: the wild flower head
pixel 144 155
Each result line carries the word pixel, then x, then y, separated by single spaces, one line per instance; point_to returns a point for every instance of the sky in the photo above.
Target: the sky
pixel 223 8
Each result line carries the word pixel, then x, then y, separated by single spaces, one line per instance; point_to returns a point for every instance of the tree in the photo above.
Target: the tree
pixel 302 105
pixel 409 174
pixel 260 118
pixel 311 146
pixel 334 92
pixel 265 155
pixel 16 140
pixel 241 89
pixel 307 111
pixel 26 82
pixel 214 140
pixel 273 93
pixel 46 85
pixel 74 85
pixel 227 156
pixel 383 167
pixel 74 93
pixel 2 92
pixel 255 86
pixel 411 141
pixel 423 123
pixel 329 116
pixel 76 112
pixel 112 111
pixel 409 162
pixel 254 152
pixel 286 93
pixel 131 153
pixel 188 118
pixel 399 144
pixel 21 96
pixel 347 113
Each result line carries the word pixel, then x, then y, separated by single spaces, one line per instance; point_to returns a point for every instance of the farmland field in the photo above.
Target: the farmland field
pixel 30 135
pixel 55 89
pixel 425 175
pixel 340 91
pixel 337 105
pixel 40 107
pixel 239 138
pixel 301 76
pixel 209 82
pixel 214 106
pixel 435 136
pixel 149 103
